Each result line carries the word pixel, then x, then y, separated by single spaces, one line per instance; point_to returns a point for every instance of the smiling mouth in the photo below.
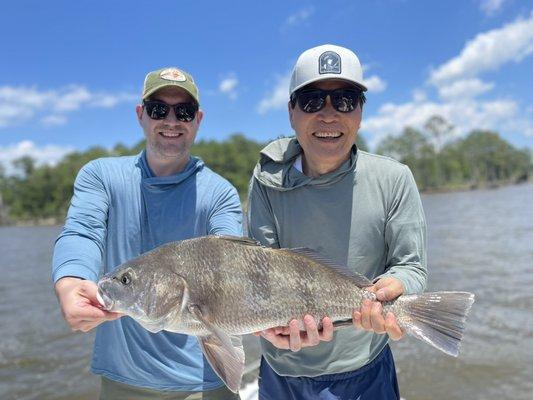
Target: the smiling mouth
pixel 327 135
pixel 170 134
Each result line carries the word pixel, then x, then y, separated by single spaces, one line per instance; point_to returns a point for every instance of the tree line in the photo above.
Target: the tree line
pixel 437 160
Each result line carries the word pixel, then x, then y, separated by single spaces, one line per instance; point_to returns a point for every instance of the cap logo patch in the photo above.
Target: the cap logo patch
pixel 329 63
pixel 173 74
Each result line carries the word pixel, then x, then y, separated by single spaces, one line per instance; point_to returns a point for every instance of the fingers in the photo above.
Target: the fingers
pixel 79 305
pixel 292 338
pixel 392 328
pixel 327 330
pixel 295 341
pixel 311 329
pixel 280 341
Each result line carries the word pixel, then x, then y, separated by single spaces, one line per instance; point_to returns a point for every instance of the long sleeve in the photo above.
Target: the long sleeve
pixel 80 247
pixel 226 215
pixel 405 236
pixel 260 218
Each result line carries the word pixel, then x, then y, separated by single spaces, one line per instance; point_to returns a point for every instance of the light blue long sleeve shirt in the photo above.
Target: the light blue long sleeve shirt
pixel 119 210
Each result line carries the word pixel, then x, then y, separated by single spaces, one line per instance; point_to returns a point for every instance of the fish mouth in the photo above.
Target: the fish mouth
pixel 102 296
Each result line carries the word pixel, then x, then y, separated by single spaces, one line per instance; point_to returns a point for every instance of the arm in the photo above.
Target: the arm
pixel 78 253
pixel 406 272
pixel 226 214
pixel 262 227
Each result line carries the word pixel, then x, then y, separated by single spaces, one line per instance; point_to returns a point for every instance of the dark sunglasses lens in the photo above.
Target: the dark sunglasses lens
pixel 345 100
pixel 156 110
pixel 185 112
pixel 311 101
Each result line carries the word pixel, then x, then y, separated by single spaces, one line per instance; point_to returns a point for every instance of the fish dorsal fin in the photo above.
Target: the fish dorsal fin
pixel 239 239
pixel 224 353
pixel 359 279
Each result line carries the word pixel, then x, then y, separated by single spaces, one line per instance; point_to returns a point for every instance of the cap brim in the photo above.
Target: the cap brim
pixel 169 84
pixel 329 77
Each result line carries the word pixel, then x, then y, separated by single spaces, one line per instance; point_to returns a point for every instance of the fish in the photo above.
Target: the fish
pixel 220 287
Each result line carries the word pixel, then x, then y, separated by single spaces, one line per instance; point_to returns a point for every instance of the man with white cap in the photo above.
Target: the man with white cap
pixel 125 206
pixel 360 210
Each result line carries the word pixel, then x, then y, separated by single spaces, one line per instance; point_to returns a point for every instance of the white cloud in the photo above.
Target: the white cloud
pixel 465 115
pixel 490 7
pixel 53 120
pixel 43 155
pixel 228 86
pixel 298 17
pixel 488 51
pixel 21 104
pixel 375 84
pixel 467 88
pixel 278 97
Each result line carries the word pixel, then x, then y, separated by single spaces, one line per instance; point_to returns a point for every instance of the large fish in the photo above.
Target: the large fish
pixel 217 287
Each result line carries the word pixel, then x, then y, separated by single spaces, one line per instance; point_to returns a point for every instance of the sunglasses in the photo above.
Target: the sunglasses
pixel 342 100
pixel 185 112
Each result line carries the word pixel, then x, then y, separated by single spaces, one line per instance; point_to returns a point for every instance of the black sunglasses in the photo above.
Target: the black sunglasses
pixel 313 100
pixel 185 112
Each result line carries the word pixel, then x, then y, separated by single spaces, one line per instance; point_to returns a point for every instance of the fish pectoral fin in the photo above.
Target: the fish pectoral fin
pixel 224 352
pixel 227 362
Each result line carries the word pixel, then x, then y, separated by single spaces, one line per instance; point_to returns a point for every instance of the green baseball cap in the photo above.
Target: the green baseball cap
pixel 167 77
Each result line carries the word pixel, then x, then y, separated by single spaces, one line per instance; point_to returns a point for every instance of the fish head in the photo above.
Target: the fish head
pixel 149 294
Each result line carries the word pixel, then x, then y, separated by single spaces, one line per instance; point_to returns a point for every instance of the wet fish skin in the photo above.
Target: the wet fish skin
pixel 218 287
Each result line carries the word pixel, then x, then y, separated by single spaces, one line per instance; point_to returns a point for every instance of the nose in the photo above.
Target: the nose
pixel 171 117
pixel 328 112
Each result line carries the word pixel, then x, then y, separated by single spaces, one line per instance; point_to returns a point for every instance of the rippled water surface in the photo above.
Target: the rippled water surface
pixel 480 241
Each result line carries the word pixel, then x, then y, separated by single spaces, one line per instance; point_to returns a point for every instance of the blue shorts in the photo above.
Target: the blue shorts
pixel 376 380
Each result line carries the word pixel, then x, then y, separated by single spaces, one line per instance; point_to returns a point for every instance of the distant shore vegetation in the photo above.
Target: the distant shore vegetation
pixel 439 162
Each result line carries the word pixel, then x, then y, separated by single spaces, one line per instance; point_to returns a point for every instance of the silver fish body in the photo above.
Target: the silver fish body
pixel 218 287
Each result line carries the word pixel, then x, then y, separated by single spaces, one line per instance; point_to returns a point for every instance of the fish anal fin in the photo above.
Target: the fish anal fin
pixel 224 353
pixel 359 279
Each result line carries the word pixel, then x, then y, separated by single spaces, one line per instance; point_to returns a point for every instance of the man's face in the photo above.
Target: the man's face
pixel 169 138
pixel 327 135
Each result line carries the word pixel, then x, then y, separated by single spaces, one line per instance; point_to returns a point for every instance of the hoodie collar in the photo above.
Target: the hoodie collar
pixel 149 178
pixel 275 170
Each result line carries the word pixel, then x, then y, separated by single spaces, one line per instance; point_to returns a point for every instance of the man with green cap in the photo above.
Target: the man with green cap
pixel 125 206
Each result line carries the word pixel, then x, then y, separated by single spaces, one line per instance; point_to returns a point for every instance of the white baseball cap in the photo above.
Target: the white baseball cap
pixel 326 62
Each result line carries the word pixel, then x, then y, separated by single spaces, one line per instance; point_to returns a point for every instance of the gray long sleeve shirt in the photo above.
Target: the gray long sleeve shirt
pixel 366 215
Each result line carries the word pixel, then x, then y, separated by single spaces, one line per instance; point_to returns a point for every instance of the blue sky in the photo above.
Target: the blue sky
pixel 71 71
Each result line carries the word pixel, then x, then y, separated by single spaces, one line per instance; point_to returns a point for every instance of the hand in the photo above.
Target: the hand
pixel 79 306
pixel 291 338
pixel 370 316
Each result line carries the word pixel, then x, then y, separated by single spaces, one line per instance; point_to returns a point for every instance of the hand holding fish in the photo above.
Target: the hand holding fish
pixel 79 304
pixel 370 316
pixel 291 337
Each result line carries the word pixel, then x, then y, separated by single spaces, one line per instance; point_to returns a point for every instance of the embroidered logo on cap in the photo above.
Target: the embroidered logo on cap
pixel 329 63
pixel 173 74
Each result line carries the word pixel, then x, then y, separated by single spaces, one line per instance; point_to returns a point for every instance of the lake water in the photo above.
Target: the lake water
pixel 479 241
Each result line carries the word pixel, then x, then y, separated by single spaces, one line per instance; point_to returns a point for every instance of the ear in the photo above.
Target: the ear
pixel 139 112
pixel 199 116
pixel 291 110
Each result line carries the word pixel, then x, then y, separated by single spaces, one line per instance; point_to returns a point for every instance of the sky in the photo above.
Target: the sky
pixel 71 72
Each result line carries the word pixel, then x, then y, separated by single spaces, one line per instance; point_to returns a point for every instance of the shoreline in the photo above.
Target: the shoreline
pixel 59 220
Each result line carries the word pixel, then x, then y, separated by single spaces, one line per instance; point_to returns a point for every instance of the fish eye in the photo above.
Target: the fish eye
pixel 125 279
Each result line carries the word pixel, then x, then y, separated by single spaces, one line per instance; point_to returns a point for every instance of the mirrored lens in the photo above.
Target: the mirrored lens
pixel 311 101
pixel 185 111
pixel 345 100
pixel 156 109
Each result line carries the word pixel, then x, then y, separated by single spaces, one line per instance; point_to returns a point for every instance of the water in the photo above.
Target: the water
pixel 479 241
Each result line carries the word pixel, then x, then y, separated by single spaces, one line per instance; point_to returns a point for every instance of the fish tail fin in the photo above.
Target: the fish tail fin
pixel 437 318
